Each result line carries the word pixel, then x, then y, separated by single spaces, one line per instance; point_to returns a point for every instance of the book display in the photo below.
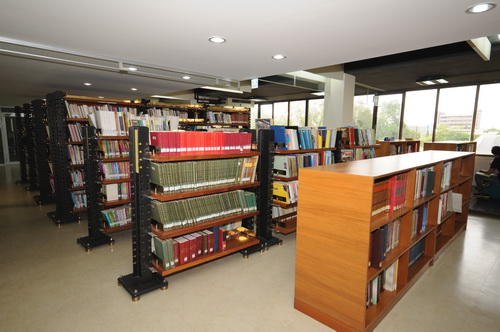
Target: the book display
pixel 356 144
pixel 400 146
pixel 369 229
pixel 189 209
pixel 451 146
pixel 296 148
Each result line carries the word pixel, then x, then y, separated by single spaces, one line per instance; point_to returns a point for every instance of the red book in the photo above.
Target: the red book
pixel 193 254
pixel 199 243
pixel 184 250
pixel 204 236
pixel 210 239
pixel 222 239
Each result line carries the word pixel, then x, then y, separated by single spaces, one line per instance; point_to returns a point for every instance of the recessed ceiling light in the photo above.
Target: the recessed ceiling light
pixel 217 39
pixel 480 8
pixel 279 57
pixel 100 97
pixel 132 68
pixel 87 84
pixel 318 93
pixel 186 77
pixel 133 89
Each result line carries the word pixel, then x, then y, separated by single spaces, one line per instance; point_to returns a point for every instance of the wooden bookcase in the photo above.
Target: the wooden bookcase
pixel 333 276
pixel 451 146
pixel 389 148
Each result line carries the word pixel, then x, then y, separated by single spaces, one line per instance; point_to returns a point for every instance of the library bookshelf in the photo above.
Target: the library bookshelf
pixel 451 146
pixel 334 280
pixel 401 146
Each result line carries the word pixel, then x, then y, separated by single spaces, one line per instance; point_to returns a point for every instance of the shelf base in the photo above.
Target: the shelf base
pixel 136 286
pixel 38 199
pixel 89 242
pixel 59 221
pixel 262 246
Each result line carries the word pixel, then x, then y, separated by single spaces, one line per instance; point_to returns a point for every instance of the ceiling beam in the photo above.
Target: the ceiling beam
pixel 482 46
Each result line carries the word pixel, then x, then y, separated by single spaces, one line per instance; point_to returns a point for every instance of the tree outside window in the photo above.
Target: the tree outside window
pixel 316 112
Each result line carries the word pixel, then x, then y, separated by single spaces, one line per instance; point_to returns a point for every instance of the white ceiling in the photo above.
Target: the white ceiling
pixel 174 34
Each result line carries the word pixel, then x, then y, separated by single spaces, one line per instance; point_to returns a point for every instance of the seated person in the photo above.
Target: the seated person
pixel 484 178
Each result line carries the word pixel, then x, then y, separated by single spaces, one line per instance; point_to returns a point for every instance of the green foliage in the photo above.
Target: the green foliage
pixel 388 120
pixel 363 117
pixel 448 133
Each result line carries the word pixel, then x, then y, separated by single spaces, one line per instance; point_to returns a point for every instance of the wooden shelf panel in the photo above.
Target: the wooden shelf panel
pixel 283 205
pixel 284 230
pixel 280 178
pixel 91 100
pixel 77 120
pixel 78 188
pixel 383 218
pixel 117 228
pixel 118 202
pixel 228 124
pixel 75 142
pixel 232 247
pixel 303 151
pixel 442 241
pixel 107 160
pixel 194 228
pixel 390 258
pixel 187 194
pixel 419 267
pixel 285 216
pixel 203 156
pixel 419 237
pixel 116 181
pixel 80 210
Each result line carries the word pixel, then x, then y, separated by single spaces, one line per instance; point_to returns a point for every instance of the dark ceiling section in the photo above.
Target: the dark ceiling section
pixel 458 63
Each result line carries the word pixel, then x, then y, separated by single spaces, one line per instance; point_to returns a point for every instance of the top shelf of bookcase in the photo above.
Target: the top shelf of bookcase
pixel 92 100
pixel 389 165
pixel 203 156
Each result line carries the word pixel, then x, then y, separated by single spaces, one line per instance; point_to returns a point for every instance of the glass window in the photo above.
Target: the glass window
pixel 487 129
pixel 388 116
pixel 281 113
pixel 418 121
pixel 455 110
pixel 298 113
pixel 253 115
pixel 266 111
pixel 363 111
pixel 316 112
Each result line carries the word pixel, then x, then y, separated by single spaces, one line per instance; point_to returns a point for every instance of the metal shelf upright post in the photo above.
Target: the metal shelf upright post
pixel 21 145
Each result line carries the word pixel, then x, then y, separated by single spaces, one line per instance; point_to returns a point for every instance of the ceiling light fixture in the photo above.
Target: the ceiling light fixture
pixel 222 88
pixel 132 68
pixel 480 8
pixel 431 81
pixel 279 57
pixel 186 77
pixel 318 93
pixel 258 99
pixel 100 97
pixel 87 84
pixel 217 40
pixel 133 89
pixel 165 97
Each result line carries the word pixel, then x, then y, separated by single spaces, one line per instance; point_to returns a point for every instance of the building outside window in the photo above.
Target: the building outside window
pixel 418 118
pixel 455 112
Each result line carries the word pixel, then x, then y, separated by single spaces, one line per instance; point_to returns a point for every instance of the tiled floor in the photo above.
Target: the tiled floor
pixel 49 283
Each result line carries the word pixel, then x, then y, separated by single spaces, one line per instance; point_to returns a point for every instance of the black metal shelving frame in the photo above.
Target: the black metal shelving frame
pixel 143 279
pixel 21 145
pixel 42 155
pixel 56 114
pixel 96 236
pixel 30 148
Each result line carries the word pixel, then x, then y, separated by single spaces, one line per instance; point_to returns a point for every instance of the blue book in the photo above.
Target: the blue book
pixel 279 134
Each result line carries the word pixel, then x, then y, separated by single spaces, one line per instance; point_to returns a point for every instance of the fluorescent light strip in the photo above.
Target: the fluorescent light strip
pixel 165 97
pixel 217 88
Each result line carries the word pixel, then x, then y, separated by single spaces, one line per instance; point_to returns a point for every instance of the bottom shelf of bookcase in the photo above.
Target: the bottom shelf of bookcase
pixel 442 241
pixel 284 230
pixel 107 229
pixel 231 247
pixel 420 266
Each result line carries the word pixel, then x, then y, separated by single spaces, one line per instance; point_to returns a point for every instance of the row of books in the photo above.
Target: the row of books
pixel 77 178
pixel 227 118
pixel 448 202
pixel 191 211
pixel 199 143
pixel 382 241
pixel 156 123
pixel 176 177
pixel 424 182
pixel 76 154
pixel 357 154
pixel 174 252
pixel 352 136
pixel 446 175
pixel 303 138
pixel 416 252
pixel 285 192
pixel 419 220
pixel 110 123
pixel 75 132
pixel 389 195
pixel 278 211
pixel 115 170
pixel 163 112
pixel 114 148
pixel 117 216
pixel 117 191
pixel 79 199
pixel 387 280
pixel 287 166
pixel 83 110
